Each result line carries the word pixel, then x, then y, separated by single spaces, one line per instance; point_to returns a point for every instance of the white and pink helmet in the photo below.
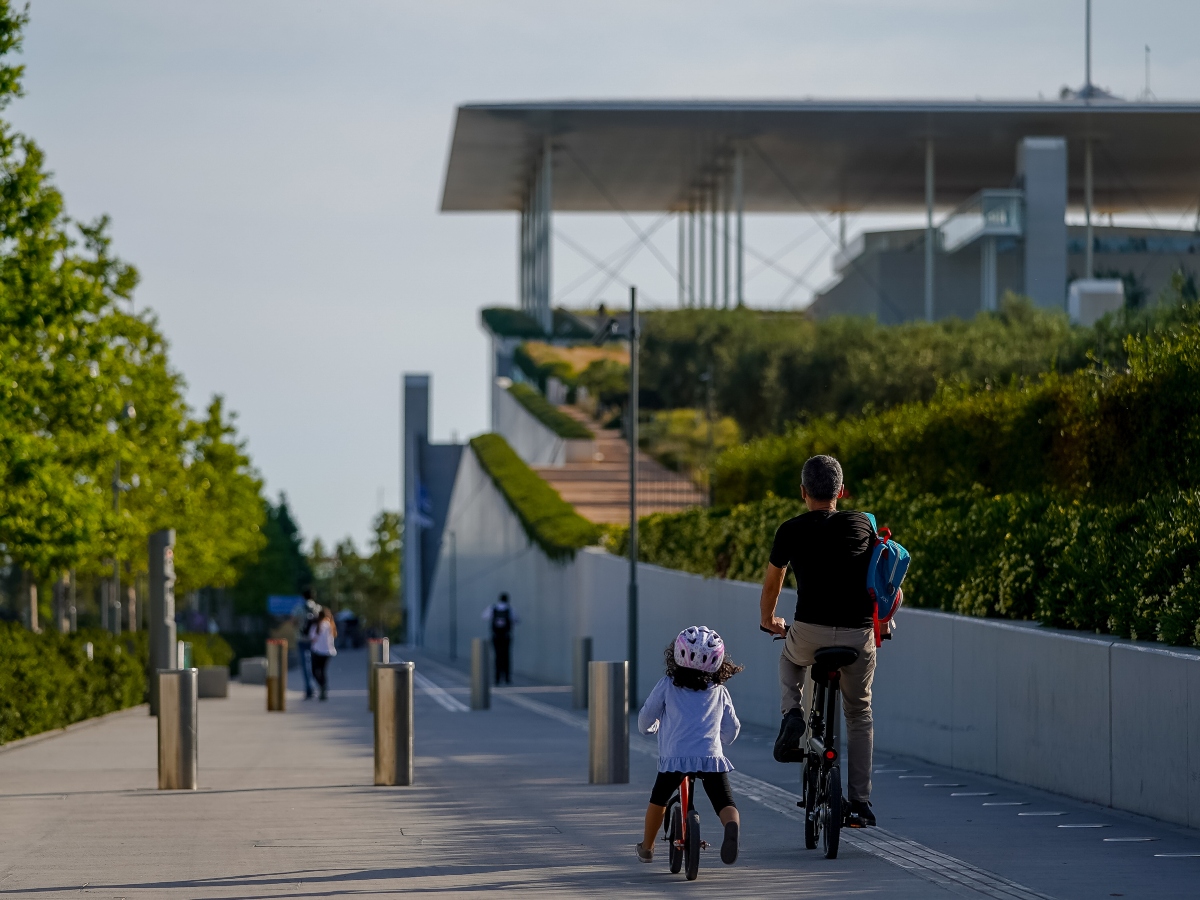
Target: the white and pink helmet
pixel 700 648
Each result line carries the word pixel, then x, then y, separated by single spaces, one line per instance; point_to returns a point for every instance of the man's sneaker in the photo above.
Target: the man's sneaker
pixel 791 734
pixel 729 846
pixel 859 815
pixel 644 855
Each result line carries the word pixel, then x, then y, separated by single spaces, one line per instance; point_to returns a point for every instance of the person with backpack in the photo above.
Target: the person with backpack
pixel 831 555
pixel 501 617
pixel 308 614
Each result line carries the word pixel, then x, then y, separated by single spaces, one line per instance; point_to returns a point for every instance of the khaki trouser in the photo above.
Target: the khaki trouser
pixel 803 641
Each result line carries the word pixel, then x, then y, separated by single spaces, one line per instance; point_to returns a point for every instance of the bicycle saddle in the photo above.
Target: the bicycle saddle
pixel 830 659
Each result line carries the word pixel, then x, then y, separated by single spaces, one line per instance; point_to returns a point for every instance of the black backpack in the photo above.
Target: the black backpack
pixel 501 619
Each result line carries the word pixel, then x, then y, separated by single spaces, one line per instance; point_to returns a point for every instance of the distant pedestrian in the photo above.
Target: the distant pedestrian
pixel 501 617
pixel 308 615
pixel 323 635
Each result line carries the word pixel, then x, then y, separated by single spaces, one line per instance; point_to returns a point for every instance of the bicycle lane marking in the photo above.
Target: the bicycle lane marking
pixel 946 871
pixel 436 692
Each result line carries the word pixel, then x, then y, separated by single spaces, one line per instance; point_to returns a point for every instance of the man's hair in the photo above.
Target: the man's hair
pixel 822 478
pixel 504 598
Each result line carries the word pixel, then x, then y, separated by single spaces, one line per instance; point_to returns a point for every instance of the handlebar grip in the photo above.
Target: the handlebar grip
pixel 774 636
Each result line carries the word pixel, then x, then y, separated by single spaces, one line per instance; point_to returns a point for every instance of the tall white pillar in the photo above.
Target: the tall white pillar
pixel 679 259
pixel 725 245
pixel 740 203
pixel 713 205
pixel 547 196
pixel 691 263
pixel 987 274
pixel 1089 266
pixel 930 242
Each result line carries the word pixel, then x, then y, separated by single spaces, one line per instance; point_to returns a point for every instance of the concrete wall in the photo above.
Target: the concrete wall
pixel 1098 719
pixel 533 441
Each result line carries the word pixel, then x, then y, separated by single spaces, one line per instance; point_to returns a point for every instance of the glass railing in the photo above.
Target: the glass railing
pixel 993 213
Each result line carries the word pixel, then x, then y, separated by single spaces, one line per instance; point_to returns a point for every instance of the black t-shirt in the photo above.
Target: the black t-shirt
pixel 829 553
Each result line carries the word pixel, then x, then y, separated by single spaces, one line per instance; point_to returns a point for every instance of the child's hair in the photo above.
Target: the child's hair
pixel 694 679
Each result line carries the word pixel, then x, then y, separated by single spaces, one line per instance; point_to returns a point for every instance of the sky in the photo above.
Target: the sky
pixel 274 170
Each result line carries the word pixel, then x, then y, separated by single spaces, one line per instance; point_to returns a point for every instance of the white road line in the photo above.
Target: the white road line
pixel 952 874
pixel 945 871
pixel 438 694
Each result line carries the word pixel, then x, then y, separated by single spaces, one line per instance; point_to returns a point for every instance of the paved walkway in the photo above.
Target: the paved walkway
pixel 287 809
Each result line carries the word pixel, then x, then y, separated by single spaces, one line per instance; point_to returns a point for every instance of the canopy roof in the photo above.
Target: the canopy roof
pixel 653 156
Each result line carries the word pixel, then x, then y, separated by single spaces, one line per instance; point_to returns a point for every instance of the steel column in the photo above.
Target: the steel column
pixel 546 197
pixel 1089 268
pixel 987 270
pixel 700 240
pixel 740 204
pixel 691 265
pixel 713 204
pixel 725 240
pixel 929 230
pixel 679 258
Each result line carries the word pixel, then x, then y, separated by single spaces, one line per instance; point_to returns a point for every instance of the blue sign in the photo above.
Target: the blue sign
pixel 282 605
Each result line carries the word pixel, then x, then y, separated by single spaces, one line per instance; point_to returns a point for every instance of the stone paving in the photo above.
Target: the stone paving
pixel 287 809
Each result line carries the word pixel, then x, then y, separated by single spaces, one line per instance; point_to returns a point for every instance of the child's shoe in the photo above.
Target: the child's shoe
pixel 729 846
pixel 644 855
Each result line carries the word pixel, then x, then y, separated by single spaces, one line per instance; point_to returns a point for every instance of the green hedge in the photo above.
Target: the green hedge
pixel 549 521
pixel 548 414
pixel 1127 569
pixel 47 681
pixel 1120 435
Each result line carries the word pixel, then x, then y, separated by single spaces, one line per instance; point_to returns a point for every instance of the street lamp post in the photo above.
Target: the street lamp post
pixel 609 329
pixel 633 517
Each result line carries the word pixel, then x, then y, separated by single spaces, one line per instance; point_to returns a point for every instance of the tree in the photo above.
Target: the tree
pixel 367 585
pixel 279 567
pixel 86 385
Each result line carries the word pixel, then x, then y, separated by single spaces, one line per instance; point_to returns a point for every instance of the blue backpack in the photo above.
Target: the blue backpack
pixel 885 574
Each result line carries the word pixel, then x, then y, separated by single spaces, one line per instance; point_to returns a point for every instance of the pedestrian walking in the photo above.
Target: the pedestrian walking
pixel 323 635
pixel 501 617
pixel 308 615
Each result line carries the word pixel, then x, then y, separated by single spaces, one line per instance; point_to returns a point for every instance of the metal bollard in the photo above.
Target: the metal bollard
pixel 378 651
pixel 481 697
pixel 581 658
pixel 276 675
pixel 178 729
pixel 394 723
pixel 608 723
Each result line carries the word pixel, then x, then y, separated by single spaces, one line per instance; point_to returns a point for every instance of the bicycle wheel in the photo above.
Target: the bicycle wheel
pixel 812 824
pixel 831 831
pixel 674 836
pixel 692 846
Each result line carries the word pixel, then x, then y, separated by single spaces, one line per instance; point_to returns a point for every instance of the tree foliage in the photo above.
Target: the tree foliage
pixel 367 584
pixel 74 356
pixel 279 567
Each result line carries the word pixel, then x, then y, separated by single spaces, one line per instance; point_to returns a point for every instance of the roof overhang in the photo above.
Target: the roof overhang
pixel 656 156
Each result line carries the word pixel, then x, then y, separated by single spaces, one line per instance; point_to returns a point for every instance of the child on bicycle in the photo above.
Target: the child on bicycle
pixel 692 713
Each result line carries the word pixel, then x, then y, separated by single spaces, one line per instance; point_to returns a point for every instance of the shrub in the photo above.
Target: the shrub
pixel 1118 435
pixel 549 414
pixel 1127 569
pixel 548 520
pixel 47 681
